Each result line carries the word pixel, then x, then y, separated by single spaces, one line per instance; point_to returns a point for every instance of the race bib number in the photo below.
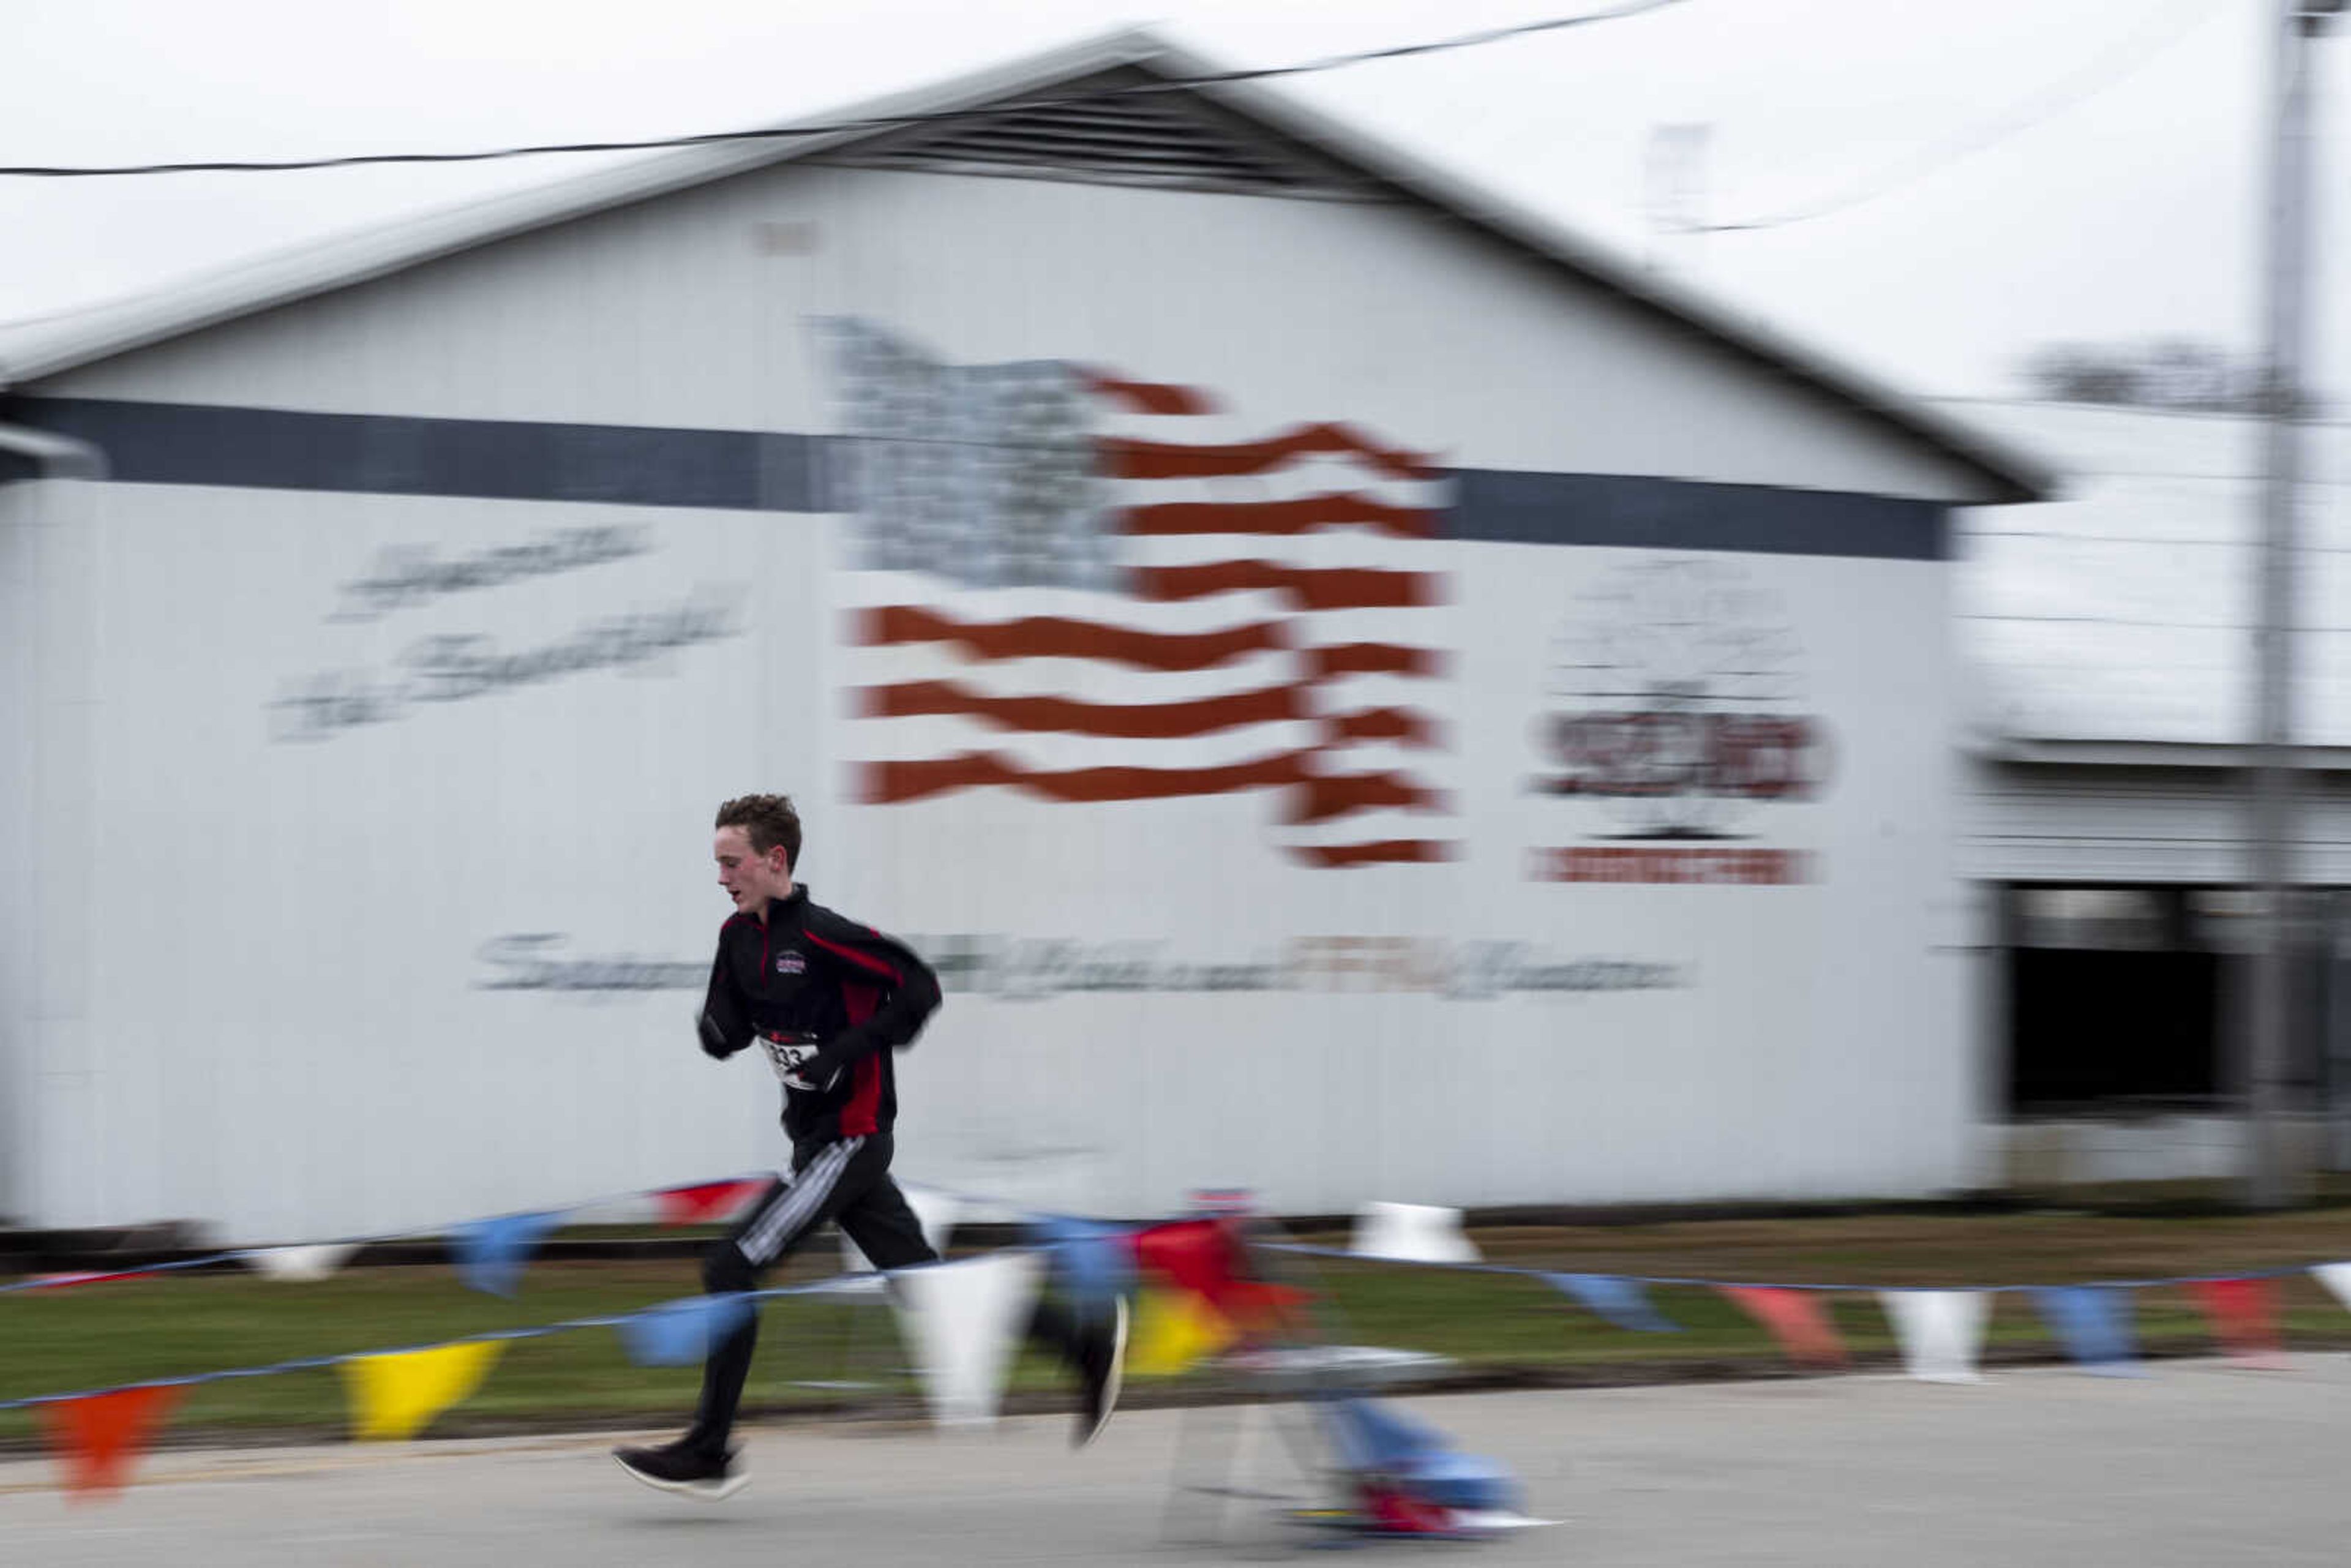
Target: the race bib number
pixel 788 1056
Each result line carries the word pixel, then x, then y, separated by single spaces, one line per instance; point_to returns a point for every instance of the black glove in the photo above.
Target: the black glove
pixel 713 1039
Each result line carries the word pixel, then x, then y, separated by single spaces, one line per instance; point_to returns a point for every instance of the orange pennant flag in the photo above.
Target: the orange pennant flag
pixel 1799 1319
pixel 98 1438
pixel 2244 1317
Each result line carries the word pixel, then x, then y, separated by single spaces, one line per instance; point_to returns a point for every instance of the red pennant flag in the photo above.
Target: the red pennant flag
pixel 99 1437
pixel 2244 1317
pixel 1799 1319
pixel 706 1204
pixel 1195 1255
pixel 1203 1259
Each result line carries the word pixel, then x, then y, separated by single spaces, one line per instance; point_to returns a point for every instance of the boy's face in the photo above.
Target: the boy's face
pixel 749 878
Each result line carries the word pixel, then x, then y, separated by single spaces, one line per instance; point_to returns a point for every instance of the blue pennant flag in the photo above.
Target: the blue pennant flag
pixel 678 1333
pixel 2094 1323
pixel 1621 1302
pixel 491 1253
pixel 1371 1437
pixel 1094 1262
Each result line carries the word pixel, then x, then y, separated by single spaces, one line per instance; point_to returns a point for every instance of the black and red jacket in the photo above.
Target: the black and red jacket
pixel 805 974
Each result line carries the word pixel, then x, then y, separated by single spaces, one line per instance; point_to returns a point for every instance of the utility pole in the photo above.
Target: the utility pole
pixel 2275 828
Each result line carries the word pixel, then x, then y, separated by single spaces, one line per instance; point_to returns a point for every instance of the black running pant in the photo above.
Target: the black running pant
pixel 847 1182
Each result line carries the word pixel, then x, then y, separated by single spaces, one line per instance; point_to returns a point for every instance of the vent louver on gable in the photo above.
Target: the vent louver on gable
pixel 1144 139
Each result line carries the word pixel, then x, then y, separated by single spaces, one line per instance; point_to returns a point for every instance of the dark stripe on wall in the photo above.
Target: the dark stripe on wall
pixel 393 454
pixel 396 454
pixel 1505 508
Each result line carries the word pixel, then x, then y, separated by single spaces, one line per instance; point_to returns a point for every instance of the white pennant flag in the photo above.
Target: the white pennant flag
pixel 1941 1331
pixel 964 1320
pixel 1412 1233
pixel 936 1212
pixel 2336 1277
pixel 301 1263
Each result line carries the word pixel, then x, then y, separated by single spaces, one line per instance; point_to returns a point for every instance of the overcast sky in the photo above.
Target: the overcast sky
pixel 2131 208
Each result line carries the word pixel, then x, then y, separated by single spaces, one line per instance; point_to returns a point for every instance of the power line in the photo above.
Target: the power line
pixel 2073 88
pixel 842 127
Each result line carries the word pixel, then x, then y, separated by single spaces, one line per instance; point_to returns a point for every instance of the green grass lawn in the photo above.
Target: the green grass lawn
pixel 1502 1326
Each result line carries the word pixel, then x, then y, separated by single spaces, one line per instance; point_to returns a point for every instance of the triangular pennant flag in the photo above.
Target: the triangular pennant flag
pixel 2336 1278
pixel 2094 1323
pixel 1173 1330
pixel 491 1253
pixel 316 1261
pixel 2244 1318
pixel 679 1334
pixel 936 1212
pixel 1621 1302
pixel 1369 1436
pixel 397 1395
pixel 1193 1255
pixel 1941 1331
pixel 1412 1233
pixel 964 1319
pixel 98 1438
pixel 1093 1262
pixel 1798 1319
pixel 707 1203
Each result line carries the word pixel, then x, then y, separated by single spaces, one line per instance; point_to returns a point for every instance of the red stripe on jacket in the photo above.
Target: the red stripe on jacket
pixel 864 961
pixel 862 1116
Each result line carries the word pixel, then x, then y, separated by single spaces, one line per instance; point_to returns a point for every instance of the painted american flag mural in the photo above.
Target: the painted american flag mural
pixel 1093 588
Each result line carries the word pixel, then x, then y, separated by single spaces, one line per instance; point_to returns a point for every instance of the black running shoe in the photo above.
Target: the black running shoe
pixel 674 1466
pixel 1102 1364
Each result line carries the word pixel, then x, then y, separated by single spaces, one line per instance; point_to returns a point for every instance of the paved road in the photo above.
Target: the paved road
pixel 2197 1464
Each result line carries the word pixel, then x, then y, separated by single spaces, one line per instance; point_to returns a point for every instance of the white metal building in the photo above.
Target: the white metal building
pixel 2110 691
pixel 1361 693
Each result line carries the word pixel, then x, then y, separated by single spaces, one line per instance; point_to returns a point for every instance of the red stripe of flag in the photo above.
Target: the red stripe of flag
pixel 1065 716
pixel 1313 587
pixel 890 783
pixel 1058 637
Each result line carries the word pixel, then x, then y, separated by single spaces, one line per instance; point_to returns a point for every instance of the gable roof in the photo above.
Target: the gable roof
pixel 48 346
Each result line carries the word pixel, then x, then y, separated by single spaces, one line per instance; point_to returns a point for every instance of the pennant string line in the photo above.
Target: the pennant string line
pixel 312 1363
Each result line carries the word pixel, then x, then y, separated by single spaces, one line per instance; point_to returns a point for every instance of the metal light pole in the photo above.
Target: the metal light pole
pixel 2268 1183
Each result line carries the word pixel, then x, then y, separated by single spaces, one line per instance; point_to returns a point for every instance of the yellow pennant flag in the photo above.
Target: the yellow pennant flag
pixel 397 1395
pixel 1173 1329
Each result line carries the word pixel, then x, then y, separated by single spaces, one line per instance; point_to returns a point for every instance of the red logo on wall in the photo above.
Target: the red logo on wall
pixel 1675 709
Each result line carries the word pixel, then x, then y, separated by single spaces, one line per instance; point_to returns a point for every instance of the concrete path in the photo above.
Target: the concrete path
pixel 2196 1465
